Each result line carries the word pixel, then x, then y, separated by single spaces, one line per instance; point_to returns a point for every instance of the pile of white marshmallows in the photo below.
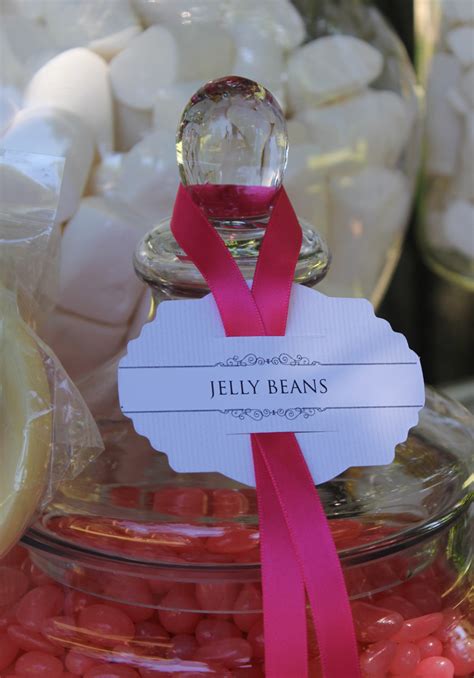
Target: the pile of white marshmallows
pixel 104 82
pixel 450 132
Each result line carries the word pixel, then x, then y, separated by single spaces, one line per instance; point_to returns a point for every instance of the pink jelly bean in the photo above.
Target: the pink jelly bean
pixel 78 663
pixel 176 616
pixel 229 503
pixel 209 630
pixel 34 574
pixel 182 646
pixel 39 604
pixel 217 597
pixel 234 540
pixel 7 617
pixel 15 556
pixel 13 585
pixel 399 604
pixel 449 625
pixel 106 622
pixel 375 623
pixel 419 627
pixel 434 667
pixel 160 586
pixel 8 651
pixel 181 501
pixel 256 639
pixel 75 601
pixel 60 631
pixel 133 590
pixel 426 599
pixel 248 607
pixel 406 659
pixel 151 631
pixel 377 657
pixel 30 641
pixel 232 652
pixel 111 671
pixel 430 647
pixel 39 664
pixel 460 651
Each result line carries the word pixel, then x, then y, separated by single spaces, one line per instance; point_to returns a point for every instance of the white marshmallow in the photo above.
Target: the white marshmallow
pixel 463 185
pixel 30 41
pixel 103 179
pixel 309 195
pixel 26 180
pixel 12 72
pixel 77 81
pixel 458 226
pixel 466 87
pixel 170 102
pixel 206 51
pixel 461 42
pixel 458 11
pixel 32 9
pixel 278 20
pixel 171 13
pixel 131 125
pixel 372 128
pixel 102 25
pixel 150 61
pixel 329 68
pixel 258 57
pixel 298 133
pixel 82 345
pixel 10 104
pixel 368 212
pixel 97 280
pixel 141 316
pixel 57 133
pixel 443 124
pixel 149 177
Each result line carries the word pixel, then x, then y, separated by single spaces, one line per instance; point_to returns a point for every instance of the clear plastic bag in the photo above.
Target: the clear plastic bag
pixel 47 434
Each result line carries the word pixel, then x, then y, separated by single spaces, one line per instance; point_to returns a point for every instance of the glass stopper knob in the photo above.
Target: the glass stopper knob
pixel 232 148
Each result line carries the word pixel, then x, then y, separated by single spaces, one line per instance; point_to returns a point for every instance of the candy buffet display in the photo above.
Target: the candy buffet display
pixel 102 83
pixel 447 215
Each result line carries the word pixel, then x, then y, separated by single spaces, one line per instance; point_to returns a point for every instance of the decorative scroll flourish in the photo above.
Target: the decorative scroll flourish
pixel 290 413
pixel 251 359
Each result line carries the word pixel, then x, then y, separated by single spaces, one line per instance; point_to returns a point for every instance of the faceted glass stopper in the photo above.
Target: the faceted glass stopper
pixel 232 148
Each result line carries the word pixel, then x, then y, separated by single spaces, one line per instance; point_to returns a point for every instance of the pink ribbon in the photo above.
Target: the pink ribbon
pixel 297 549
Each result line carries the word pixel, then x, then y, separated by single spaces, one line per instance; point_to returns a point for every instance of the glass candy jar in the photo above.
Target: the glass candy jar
pixel 446 35
pixel 136 571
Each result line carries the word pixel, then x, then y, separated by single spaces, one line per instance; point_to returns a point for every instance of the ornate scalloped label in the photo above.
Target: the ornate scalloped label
pixel 340 379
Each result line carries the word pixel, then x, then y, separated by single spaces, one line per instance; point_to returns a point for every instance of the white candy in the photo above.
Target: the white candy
pixel 298 133
pixel 367 213
pixel 32 9
pixel 10 103
pixel 171 12
pixel 258 57
pixel 170 102
pixel 458 11
pixel 149 62
pixel 57 133
pixel 149 177
pixel 277 19
pixel 131 125
pixel 141 316
pixel 12 72
pixel 464 180
pixel 82 345
pixel 104 26
pixel 461 43
pixel 329 68
pixel 443 124
pixel 458 225
pixel 77 81
pixel 31 42
pixel 206 51
pixel 372 128
pixel 97 280
pixel 466 87
pixel 104 176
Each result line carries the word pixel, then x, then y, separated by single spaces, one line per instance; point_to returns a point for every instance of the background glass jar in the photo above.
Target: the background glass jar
pixel 150 573
pixel 340 73
pixel 445 34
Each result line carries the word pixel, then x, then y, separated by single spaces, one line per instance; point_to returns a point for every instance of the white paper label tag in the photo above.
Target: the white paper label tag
pixel 340 379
